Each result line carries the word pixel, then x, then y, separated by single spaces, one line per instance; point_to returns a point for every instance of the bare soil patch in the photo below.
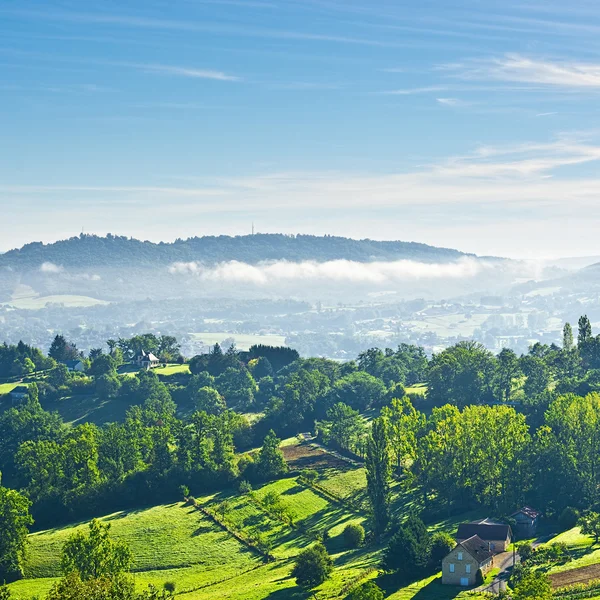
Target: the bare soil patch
pixel 305 456
pixel 581 575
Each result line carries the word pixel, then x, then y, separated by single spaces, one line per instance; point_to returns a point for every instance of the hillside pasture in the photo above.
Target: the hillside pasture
pixel 242 341
pixel 172 542
pixel 67 301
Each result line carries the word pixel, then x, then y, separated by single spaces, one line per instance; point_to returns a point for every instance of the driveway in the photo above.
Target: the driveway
pixel 504 562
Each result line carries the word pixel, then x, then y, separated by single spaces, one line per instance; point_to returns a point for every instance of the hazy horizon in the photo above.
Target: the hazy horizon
pixel 470 126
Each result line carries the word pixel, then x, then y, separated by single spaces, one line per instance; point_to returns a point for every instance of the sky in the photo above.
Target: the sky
pixel 464 124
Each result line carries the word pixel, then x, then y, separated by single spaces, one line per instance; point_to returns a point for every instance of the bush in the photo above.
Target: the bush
pixel 169 586
pixel 245 487
pixel 568 518
pixel 313 566
pixel 184 490
pixel 367 591
pixel 479 577
pixel 441 545
pixel 525 550
pixel 354 535
pixel 309 475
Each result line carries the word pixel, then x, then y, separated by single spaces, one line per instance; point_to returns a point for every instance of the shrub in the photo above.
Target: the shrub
pixel 441 545
pixel 367 591
pixel 354 535
pixel 479 577
pixel 568 518
pixel 525 550
pixel 245 487
pixel 313 566
pixel 169 586
pixel 184 490
pixel 309 475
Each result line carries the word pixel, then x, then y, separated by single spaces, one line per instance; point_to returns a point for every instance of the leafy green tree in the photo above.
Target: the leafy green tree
pixel 367 591
pixel 585 331
pixel 103 364
pixel 271 463
pixel 312 566
pixel 590 525
pixel 405 425
pixel 62 351
pixel 462 374
pixel 508 369
pixel 108 385
pixel 95 555
pixel 209 400
pixel 28 366
pixel 354 535
pixel 567 337
pixel 14 522
pixel 378 465
pixel 59 376
pixel 535 585
pixel 74 587
pixel 343 427
pixel 441 546
pixel 409 549
pixel 538 375
pixel 360 390
pixel 568 518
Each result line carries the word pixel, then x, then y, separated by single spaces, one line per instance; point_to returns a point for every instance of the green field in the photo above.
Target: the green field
pixel 178 543
pixel 242 341
pixel 169 543
pixel 7 388
pixel 38 303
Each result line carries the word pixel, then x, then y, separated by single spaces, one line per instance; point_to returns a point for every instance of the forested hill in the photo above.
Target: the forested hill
pixel 112 251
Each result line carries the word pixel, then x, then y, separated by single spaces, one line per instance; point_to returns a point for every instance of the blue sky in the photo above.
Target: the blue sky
pixel 466 124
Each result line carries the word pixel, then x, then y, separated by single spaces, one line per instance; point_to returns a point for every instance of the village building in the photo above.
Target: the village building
pixel 146 360
pixel 498 535
pixel 460 567
pixel 526 522
pixel 75 365
pixel 18 394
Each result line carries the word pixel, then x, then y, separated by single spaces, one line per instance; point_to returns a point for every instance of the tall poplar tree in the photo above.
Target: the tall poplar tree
pixel 379 471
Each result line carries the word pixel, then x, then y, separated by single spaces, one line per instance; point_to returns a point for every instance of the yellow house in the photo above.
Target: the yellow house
pixel 461 565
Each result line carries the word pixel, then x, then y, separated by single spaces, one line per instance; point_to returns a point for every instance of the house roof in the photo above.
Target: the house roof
pixel 485 530
pixel 20 389
pixel 527 511
pixel 72 363
pixel 143 355
pixel 477 548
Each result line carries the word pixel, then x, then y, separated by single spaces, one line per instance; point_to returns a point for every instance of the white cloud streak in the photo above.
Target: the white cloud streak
pixel 340 271
pixel 185 72
pixel 517 68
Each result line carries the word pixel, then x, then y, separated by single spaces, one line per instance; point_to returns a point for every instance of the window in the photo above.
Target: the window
pixel 467 569
pixel 460 556
pixel 451 567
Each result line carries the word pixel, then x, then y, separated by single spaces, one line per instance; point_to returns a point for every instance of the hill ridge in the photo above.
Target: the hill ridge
pixel 89 250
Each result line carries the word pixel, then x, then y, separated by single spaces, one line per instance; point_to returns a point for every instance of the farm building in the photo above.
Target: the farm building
pixel 75 365
pixel 498 535
pixel 461 565
pixel 526 521
pixel 146 360
pixel 18 394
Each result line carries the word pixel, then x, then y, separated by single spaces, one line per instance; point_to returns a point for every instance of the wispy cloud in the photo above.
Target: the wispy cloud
pixel 546 114
pixel 51 268
pixel 197 26
pixel 453 102
pixel 517 68
pixel 184 72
